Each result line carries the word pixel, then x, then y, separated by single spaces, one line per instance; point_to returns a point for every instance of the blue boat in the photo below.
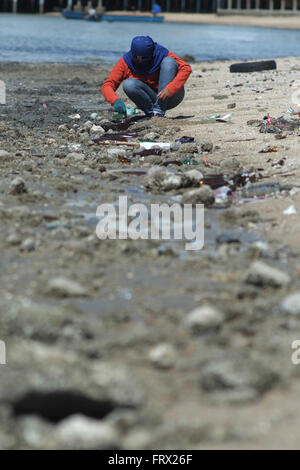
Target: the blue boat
pixel 78 15
pixel 139 18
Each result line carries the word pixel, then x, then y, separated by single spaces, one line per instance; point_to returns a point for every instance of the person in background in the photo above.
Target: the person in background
pixel 153 77
pixel 156 10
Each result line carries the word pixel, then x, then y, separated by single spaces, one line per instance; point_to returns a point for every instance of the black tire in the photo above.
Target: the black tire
pixel 245 67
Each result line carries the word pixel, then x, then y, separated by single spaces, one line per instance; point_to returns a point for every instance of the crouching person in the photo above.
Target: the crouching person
pixel 153 78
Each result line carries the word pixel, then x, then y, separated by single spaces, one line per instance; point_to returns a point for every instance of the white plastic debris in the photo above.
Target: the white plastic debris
pixel 74 116
pixel 225 118
pixel 150 145
pixel 290 210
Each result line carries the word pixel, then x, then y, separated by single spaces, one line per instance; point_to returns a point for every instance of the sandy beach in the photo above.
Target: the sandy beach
pixel 287 21
pixel 105 329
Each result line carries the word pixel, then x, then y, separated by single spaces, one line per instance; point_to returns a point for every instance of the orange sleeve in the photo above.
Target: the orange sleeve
pixel 113 81
pixel 184 71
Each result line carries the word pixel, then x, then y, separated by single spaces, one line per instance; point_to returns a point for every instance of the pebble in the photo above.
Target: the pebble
pixel 62 287
pixel 97 129
pixel 116 152
pixel 203 195
pixel 13 239
pixel 204 318
pixel 291 304
pixel 76 156
pixel 163 355
pixel 205 146
pixel 28 245
pixel 194 175
pixel 4 155
pixel 236 378
pixel 81 432
pixel 261 274
pixel 17 186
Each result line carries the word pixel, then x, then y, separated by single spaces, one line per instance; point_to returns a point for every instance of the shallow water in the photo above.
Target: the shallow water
pixel 35 38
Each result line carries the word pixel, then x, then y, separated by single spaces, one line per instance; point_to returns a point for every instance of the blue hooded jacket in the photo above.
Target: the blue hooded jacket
pixel 143 46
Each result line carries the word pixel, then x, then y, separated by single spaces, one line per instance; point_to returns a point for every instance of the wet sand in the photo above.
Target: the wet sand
pixel 102 328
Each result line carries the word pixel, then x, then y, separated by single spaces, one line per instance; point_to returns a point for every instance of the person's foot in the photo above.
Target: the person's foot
pixel 156 114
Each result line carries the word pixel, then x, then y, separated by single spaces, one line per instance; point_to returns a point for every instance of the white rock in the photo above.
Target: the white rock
pixel 4 155
pixel 290 210
pixel 204 318
pixel 97 129
pixel 261 274
pixel 63 287
pixel 291 303
pixel 13 239
pixel 88 125
pixel 163 355
pixel 194 175
pixel 80 432
pixel 74 116
pixel 28 245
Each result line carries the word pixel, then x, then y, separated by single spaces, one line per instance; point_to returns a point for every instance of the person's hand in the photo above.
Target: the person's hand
pixel 164 94
pixel 119 107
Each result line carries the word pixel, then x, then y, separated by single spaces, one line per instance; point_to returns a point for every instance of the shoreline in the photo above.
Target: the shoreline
pixel 287 21
pixel 276 22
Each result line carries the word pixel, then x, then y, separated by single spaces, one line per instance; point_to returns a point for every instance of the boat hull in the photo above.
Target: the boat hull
pixel 135 18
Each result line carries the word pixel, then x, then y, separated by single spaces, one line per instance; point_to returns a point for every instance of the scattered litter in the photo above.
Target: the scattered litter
pixel 74 116
pixel 231 105
pixel 290 210
pixel 124 159
pixel 268 149
pixel 189 160
pixel 268 119
pixel 150 145
pixel 225 118
pixel 280 136
pixel 185 139
pixel 116 142
pixel 131 110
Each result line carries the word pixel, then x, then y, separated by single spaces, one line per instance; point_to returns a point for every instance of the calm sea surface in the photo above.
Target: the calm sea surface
pixel 35 38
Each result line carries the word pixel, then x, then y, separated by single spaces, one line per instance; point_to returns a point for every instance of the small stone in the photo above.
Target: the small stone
pixel 291 304
pixel 80 432
pixel 13 239
pixel 203 195
pixel 261 274
pixel 88 125
pixel 205 146
pixel 76 156
pixel 62 287
pixel 151 136
pixel 4 155
pixel 175 146
pixel 195 176
pixel 17 186
pixel 97 129
pixel 204 318
pixel 63 128
pixel 236 378
pixel 116 152
pixel 28 245
pixel 189 148
pixel 163 355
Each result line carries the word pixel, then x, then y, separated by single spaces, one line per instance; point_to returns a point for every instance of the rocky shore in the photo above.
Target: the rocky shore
pixel 123 344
